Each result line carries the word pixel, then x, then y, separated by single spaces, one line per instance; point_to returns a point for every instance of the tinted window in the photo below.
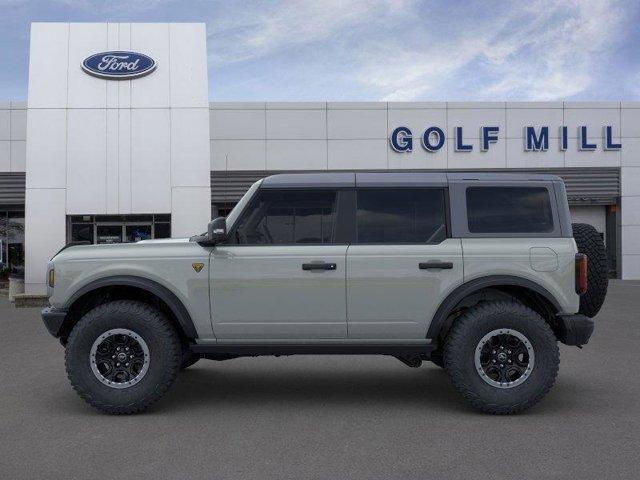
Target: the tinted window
pixel 509 210
pixel 402 215
pixel 287 217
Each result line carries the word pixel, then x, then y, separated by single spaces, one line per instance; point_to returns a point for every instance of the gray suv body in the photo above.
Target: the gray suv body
pixel 478 272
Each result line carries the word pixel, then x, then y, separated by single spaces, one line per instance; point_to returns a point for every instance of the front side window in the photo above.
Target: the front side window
pixel 401 215
pixel 282 217
pixel 509 210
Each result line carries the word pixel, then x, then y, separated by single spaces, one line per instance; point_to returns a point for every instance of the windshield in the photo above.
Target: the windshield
pixel 233 215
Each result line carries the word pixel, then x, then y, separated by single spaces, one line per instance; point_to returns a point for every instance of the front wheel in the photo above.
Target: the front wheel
pixel 502 357
pixel 122 356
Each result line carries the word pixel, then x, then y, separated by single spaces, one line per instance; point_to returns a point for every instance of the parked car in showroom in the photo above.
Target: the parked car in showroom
pixel 481 273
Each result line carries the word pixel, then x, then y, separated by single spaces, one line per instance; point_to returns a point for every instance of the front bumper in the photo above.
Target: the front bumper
pixel 53 319
pixel 574 329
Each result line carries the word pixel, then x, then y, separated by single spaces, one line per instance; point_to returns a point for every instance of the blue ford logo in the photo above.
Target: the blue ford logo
pixel 118 65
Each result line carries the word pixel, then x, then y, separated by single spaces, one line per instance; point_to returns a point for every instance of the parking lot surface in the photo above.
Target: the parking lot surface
pixel 324 416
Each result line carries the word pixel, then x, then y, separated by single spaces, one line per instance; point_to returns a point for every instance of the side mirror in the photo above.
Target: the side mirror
pixel 217 230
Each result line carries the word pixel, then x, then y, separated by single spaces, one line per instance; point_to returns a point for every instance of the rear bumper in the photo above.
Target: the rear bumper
pixel 575 329
pixel 53 319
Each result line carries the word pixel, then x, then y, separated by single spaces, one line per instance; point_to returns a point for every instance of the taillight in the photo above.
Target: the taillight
pixel 581 273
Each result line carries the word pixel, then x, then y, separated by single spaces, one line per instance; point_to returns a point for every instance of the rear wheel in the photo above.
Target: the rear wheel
pixel 502 357
pixel 188 359
pixel 122 356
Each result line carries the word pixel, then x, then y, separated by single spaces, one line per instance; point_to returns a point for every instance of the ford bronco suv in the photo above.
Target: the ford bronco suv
pixel 480 273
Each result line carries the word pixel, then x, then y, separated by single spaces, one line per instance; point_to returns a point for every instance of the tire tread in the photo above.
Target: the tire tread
pixel 466 326
pixel 163 329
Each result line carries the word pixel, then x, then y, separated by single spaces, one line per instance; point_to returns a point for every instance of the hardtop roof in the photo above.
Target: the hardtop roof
pixel 396 179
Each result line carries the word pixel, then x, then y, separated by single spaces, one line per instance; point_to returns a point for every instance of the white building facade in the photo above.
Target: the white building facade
pixel 108 160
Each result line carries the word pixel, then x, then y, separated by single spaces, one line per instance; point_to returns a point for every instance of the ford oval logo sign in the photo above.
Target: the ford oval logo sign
pixel 118 65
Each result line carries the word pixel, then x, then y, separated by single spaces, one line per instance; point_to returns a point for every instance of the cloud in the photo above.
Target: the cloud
pixel 409 50
pixel 260 29
pixel 540 51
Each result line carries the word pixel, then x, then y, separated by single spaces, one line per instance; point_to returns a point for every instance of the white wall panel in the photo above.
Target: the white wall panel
pixel 357 154
pixel 296 124
pixel 238 155
pixel 631 239
pixel 630 120
pixel 630 153
pixel 357 124
pixel 124 86
pixel 18 156
pixel 630 267
pixel 630 181
pixel 495 157
pixel 418 120
pixel 47 148
pixel 5 124
pixel 418 158
pixel 296 105
pixel 48 62
pixel 44 233
pixel 86 91
pixel 574 157
pixel 191 211
pixel 152 91
pixel 419 105
pixel 592 118
pixel 517 157
pixel 190 158
pixel 111 161
pixel 124 161
pixel 356 105
pixel 5 156
pixel 113 43
pixel 188 54
pixel 86 161
pixel 150 161
pixel 471 119
pixel 18 124
pixel 296 154
pixel 518 118
pixel 238 124
pixel 630 212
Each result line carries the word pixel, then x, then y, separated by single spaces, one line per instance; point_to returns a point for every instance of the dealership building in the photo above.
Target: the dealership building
pixel 117 141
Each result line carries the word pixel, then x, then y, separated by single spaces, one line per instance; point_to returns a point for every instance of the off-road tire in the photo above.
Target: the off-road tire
pixel 437 358
pixel 164 352
pixel 188 359
pixel 590 243
pixel 466 334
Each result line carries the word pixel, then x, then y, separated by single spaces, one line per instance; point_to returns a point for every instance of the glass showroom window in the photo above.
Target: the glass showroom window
pixel 99 229
pixel 11 243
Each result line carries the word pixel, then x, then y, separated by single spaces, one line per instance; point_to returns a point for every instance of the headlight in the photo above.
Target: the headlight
pixel 51 278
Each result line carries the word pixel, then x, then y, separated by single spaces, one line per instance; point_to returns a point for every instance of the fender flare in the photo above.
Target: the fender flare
pixel 163 293
pixel 468 288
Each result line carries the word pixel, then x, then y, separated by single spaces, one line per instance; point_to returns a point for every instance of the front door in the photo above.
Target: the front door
pixel 281 276
pixel 402 264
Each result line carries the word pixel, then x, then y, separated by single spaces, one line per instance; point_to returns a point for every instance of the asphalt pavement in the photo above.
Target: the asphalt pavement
pixel 324 417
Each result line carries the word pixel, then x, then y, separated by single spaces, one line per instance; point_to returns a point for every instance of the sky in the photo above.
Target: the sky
pixel 377 50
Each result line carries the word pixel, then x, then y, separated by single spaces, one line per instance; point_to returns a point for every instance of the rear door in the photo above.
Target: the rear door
pixel 402 263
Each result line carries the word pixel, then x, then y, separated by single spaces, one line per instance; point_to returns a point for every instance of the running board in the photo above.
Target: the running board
pixel 240 349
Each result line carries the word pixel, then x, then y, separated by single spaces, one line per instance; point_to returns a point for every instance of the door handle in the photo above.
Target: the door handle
pixel 435 265
pixel 319 266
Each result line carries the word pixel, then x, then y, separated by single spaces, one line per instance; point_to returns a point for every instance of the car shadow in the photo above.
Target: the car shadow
pixel 426 386
pixel 221 386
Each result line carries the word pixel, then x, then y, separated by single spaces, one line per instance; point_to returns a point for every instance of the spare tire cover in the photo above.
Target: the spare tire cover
pixel 590 243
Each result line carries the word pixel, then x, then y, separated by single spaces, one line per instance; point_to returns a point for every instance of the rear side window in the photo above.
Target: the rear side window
pixel 402 215
pixel 509 210
pixel 281 217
